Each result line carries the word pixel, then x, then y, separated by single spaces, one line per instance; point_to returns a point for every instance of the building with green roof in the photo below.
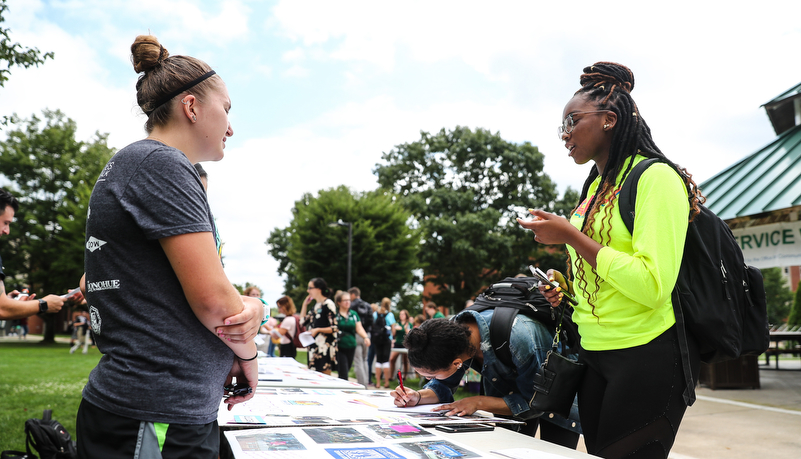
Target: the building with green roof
pixel 760 195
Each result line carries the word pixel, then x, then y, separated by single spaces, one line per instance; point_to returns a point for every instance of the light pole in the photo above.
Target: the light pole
pixel 350 241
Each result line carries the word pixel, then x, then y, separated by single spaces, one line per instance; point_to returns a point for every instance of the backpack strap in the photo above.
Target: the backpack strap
pixel 297 328
pixel 626 203
pixel 628 193
pixel 684 349
pixel 500 329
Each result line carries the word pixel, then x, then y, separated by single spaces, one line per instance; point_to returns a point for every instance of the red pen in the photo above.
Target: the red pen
pixel 400 380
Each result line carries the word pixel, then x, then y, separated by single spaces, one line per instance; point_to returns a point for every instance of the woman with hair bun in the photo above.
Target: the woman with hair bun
pixel 172 329
pixel 321 321
pixel 632 398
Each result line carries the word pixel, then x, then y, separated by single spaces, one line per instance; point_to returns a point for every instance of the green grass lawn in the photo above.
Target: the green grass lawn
pixel 35 377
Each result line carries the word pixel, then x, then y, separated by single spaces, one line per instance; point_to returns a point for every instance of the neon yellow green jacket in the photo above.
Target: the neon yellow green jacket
pixel 635 273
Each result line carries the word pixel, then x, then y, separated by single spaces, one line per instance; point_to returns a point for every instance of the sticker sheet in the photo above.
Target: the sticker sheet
pixel 399 440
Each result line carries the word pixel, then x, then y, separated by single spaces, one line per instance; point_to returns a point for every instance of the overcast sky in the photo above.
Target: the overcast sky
pixel 321 88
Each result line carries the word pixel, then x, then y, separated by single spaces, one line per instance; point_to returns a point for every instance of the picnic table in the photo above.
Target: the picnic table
pixel 792 339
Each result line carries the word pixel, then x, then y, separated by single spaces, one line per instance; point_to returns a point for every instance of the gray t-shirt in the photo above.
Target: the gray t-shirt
pixel 160 363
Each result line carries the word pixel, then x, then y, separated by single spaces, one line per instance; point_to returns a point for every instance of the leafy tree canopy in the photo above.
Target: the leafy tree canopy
pixel 465 190
pixel 52 176
pixel 795 313
pixel 778 294
pixel 384 247
pixel 14 54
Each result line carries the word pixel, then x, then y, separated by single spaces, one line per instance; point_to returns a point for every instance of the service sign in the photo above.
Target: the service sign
pixel 768 246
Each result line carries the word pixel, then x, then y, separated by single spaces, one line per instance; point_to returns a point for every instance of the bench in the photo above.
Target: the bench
pixel 776 351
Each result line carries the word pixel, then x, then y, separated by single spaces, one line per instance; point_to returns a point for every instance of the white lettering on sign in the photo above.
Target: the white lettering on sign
pixel 767 246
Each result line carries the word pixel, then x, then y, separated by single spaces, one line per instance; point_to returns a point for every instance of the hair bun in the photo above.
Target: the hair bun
pixel 610 73
pixel 147 53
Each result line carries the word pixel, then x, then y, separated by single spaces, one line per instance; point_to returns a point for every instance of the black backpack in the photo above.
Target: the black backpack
pixel 718 298
pixel 520 295
pixel 48 437
pixel 365 313
pixel 378 332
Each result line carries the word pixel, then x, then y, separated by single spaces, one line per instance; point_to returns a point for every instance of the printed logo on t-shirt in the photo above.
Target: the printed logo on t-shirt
pixel 582 209
pixel 105 172
pixel 103 285
pixel 94 244
pixel 96 322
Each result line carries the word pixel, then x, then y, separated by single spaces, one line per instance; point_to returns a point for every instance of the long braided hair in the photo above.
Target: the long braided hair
pixel 609 86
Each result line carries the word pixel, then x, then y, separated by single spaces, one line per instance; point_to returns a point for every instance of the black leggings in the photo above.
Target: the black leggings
pixel 382 350
pixel 630 401
pixel 344 361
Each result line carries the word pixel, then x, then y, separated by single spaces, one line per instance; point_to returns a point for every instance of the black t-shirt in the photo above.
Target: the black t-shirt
pixel 160 363
pixel 2 276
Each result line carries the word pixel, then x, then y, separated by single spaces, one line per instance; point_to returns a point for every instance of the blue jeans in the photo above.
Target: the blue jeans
pixel 370 358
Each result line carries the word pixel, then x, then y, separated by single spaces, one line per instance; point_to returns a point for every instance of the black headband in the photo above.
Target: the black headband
pixel 183 88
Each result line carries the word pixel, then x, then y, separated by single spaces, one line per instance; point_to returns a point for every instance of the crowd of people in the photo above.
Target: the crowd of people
pixel 160 266
pixel 348 333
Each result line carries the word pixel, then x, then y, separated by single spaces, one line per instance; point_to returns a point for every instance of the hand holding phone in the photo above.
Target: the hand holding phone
pixel 237 389
pixel 543 278
pixel 72 294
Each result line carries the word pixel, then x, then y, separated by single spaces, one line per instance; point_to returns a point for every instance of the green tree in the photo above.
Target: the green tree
pixel 779 296
pixel 465 189
pixel 795 312
pixel 52 175
pixel 409 299
pixel 14 54
pixel 384 247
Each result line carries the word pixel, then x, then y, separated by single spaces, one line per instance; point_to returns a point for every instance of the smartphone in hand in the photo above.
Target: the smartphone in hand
pixel 543 278
pixel 237 389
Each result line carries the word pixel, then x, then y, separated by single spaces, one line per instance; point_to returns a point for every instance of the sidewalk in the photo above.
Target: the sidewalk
pixel 33 338
pixel 745 423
